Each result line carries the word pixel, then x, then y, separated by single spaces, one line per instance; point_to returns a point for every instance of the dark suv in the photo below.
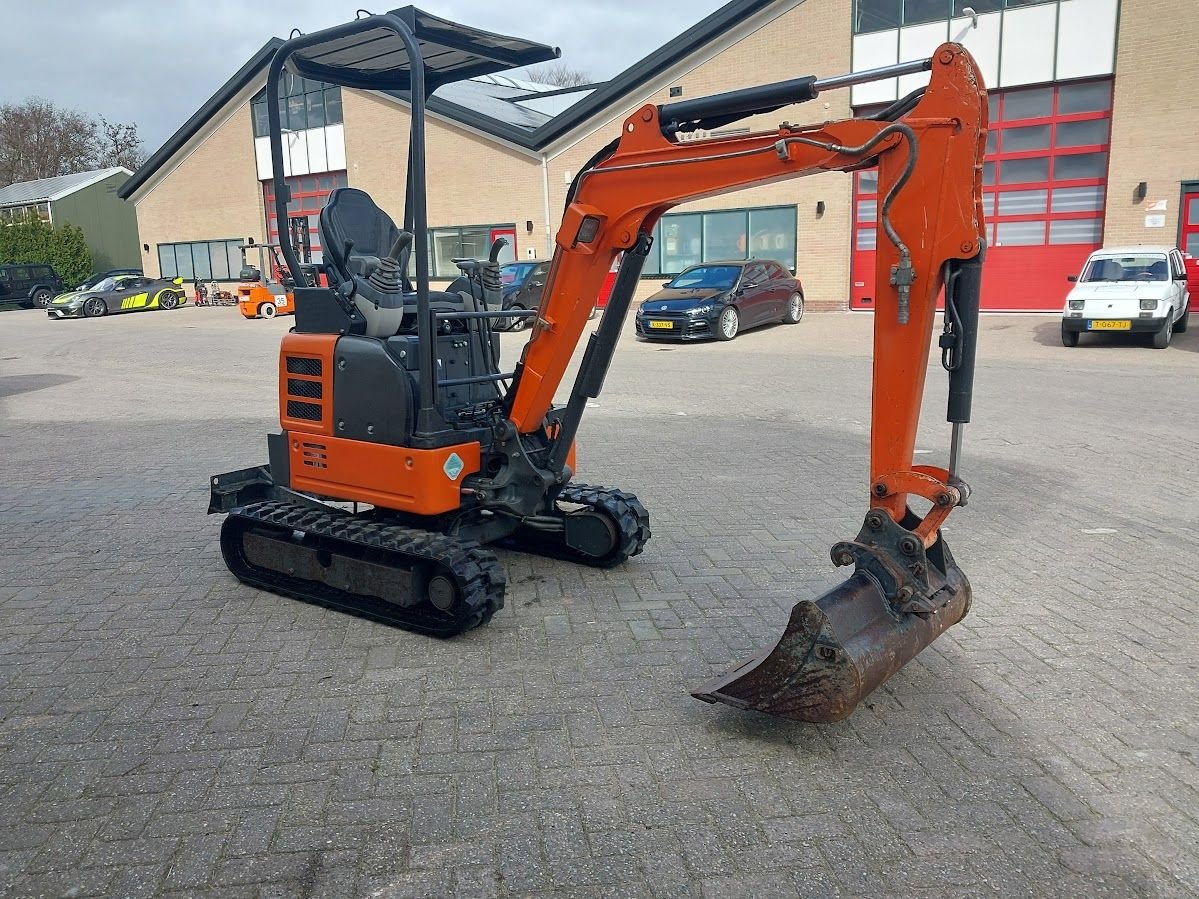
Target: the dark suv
pixel 29 285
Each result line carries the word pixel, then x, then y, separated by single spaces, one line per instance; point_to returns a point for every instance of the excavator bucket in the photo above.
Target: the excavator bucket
pixel 839 648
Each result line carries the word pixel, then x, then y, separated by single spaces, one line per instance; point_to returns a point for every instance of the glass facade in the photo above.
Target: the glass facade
pixel 880 15
pixel 683 239
pixel 201 260
pixel 303 104
pixel 465 242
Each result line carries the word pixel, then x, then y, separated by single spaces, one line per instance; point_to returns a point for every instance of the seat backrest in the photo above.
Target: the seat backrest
pixel 351 215
pixel 1160 270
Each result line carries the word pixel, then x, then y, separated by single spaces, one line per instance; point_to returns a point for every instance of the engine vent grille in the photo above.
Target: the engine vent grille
pixel 313 390
pixel 298 365
pixel 305 411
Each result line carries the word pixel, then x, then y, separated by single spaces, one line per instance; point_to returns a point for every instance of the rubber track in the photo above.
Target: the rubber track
pixel 480 577
pixel 623 508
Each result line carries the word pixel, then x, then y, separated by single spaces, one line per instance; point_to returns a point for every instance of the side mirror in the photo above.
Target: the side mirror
pixel 1181 277
pixel 1073 279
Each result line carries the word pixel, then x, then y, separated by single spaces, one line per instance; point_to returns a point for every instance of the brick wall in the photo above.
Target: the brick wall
pixel 470 180
pixel 1154 118
pixel 213 194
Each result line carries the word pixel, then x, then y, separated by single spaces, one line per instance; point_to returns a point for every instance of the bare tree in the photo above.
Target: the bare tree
pixel 119 144
pixel 41 140
pixel 559 74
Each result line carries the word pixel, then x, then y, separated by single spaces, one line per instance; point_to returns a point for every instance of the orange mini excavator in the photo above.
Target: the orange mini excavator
pixel 406 449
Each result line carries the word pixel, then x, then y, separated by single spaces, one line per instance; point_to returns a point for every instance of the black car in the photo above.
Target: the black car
pixel 29 285
pixel 722 299
pixel 523 295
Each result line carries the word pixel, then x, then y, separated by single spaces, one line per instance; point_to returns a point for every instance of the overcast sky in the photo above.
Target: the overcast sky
pixel 154 62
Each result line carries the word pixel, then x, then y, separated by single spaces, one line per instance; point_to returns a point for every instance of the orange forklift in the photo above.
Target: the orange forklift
pixel 406 449
pixel 266 289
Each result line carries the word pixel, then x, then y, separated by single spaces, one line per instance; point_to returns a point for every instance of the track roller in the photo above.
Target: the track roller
pixel 606 528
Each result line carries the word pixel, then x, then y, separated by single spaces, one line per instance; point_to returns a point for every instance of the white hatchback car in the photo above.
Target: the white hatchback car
pixel 1137 289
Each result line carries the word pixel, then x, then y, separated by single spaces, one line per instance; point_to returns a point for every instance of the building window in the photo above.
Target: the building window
pixel 684 239
pixel 465 242
pixel 303 104
pixel 201 260
pixel 1045 168
pixel 881 15
pixel 308 196
pixel 15 215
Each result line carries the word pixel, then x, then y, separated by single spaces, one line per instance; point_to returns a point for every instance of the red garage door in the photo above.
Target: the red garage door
pixel 1045 181
pixel 308 195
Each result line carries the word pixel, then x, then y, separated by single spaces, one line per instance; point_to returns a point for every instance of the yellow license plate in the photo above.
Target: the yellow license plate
pixel 662 326
pixel 1110 326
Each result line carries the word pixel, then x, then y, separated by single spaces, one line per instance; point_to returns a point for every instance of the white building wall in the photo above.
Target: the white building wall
pixel 1053 41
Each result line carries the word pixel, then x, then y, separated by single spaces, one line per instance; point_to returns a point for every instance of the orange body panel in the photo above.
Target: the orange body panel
pixel 251 296
pixel 392 477
pixel 938 214
pixel 306 383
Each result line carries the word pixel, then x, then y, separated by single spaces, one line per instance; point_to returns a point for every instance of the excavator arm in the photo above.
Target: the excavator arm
pixel 928 148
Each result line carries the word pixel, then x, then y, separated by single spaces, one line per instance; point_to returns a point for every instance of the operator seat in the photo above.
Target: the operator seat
pixel 355 235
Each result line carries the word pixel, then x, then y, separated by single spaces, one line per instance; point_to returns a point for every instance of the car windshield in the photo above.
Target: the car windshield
pixel 703 277
pixel 516 272
pixel 1148 267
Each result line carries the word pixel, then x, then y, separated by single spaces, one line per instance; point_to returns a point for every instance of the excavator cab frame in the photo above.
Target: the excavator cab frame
pixel 406 50
pixel 447 468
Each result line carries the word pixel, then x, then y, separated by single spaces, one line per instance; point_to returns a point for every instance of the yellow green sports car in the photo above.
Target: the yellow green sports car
pixel 122 293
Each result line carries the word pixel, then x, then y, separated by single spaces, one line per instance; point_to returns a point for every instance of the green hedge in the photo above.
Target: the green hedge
pixel 36 242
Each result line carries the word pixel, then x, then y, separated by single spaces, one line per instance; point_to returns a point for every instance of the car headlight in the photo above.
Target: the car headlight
pixel 703 310
pixel 1148 305
pixel 1077 304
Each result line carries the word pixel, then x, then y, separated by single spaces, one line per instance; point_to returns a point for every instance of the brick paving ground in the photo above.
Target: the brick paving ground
pixel 165 730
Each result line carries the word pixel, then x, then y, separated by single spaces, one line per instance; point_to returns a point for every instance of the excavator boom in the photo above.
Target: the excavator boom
pixel 906 589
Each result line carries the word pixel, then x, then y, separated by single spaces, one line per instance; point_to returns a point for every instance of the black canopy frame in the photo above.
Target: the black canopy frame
pixel 405 50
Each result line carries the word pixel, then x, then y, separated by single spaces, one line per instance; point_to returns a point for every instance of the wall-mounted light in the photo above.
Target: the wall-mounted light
pixel 529 225
pixel 676 91
pixel 1142 190
pixel 145 248
pixel 969 11
pixel 819 208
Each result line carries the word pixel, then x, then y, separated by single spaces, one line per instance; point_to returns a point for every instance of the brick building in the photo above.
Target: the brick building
pixel 1089 145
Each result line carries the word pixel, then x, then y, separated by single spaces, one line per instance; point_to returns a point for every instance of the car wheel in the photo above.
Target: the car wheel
pixel 1180 326
pixel 1161 339
pixel 517 324
pixel 168 299
pixel 94 307
pixel 1069 338
pixel 267 310
pixel 728 324
pixel 794 312
pixel 41 298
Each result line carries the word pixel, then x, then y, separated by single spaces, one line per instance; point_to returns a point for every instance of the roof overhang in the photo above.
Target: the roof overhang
pixel 641 79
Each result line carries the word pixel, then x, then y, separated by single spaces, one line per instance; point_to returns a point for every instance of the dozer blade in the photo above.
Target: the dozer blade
pixel 841 647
